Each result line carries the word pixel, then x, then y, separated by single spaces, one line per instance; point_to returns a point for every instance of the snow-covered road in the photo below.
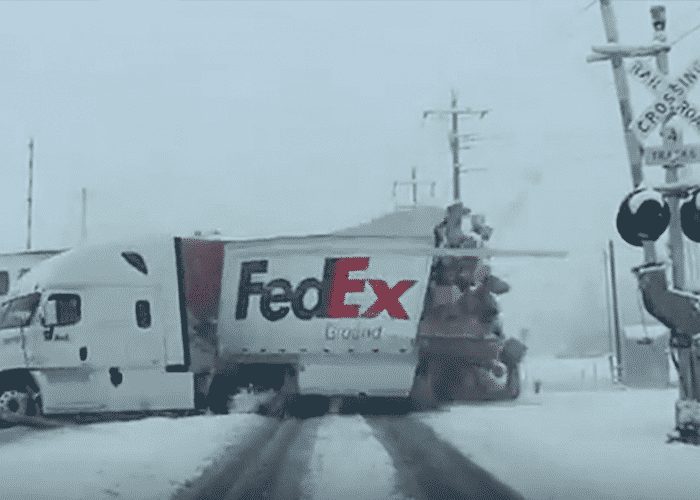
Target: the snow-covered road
pixel 603 444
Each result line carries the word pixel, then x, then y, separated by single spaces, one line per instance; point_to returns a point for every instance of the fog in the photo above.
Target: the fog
pixel 293 118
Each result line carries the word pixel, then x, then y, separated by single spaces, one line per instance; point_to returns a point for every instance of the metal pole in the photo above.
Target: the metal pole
pixel 608 304
pixel 29 194
pixel 454 145
pixel 414 186
pixel 83 225
pixel 634 149
pixel 671 138
pixel 616 311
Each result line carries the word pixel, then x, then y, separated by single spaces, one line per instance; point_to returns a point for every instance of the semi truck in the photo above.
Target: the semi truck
pixel 168 323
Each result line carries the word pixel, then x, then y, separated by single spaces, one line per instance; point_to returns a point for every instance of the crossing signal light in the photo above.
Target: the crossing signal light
pixel 690 217
pixel 643 216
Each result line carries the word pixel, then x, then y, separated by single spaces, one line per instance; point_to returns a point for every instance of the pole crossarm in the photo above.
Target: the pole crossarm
pixel 411 183
pixel 466 111
pixel 606 52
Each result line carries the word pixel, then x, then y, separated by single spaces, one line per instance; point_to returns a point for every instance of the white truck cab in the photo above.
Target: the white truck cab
pixel 96 328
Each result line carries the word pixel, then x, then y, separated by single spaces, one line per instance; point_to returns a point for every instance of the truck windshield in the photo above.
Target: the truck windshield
pixel 18 312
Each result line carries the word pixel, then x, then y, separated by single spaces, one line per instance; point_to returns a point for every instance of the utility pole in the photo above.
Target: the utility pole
pixel 83 213
pixel 454 112
pixel 615 312
pixel 608 301
pixel 413 183
pixel 29 194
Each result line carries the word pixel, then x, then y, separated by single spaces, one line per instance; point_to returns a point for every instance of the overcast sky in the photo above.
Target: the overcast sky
pixel 284 117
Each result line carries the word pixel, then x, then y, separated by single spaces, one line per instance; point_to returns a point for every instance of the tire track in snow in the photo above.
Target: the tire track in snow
pixel 429 467
pixel 270 464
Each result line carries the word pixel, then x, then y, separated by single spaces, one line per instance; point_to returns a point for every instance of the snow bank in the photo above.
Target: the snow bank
pixel 582 445
pixel 142 459
pixel 571 374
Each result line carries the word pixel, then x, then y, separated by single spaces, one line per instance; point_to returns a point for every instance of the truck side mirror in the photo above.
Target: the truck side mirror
pixel 50 313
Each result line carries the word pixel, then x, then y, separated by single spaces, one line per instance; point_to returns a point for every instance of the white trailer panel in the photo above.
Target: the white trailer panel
pixel 349 309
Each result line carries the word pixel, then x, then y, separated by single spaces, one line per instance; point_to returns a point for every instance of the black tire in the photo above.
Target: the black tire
pixel 307 406
pixel 218 396
pixel 16 401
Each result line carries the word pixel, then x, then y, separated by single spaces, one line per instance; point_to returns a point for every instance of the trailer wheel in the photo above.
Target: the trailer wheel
pixel 219 394
pixel 307 406
pixel 15 402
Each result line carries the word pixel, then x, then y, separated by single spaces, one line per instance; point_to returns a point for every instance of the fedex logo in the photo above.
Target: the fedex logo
pixel 331 292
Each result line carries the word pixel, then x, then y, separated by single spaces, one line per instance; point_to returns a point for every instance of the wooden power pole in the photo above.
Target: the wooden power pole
pixel 30 194
pixel 454 112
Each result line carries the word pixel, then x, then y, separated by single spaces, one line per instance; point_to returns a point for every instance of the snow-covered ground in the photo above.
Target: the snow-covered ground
pixel 144 459
pixel 573 374
pixel 606 444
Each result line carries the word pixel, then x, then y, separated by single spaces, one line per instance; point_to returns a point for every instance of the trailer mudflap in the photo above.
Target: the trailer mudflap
pixel 370 374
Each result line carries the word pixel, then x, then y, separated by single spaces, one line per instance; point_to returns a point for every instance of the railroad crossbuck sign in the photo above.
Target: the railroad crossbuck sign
pixel 670 97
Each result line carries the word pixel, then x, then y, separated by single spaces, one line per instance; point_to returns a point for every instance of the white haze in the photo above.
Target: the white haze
pixel 269 118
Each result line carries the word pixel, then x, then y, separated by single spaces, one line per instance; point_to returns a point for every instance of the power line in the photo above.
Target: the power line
pixel 691 30
pixel 589 5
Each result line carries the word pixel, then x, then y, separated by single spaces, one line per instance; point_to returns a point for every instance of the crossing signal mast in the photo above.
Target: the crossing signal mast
pixel 647 212
pixel 454 112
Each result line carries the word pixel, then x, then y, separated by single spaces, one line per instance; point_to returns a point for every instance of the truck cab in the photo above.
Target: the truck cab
pixel 96 329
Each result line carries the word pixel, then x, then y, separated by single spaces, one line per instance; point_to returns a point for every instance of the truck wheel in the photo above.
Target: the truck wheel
pixel 15 402
pixel 307 406
pixel 218 396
